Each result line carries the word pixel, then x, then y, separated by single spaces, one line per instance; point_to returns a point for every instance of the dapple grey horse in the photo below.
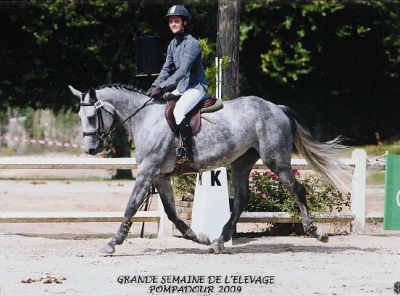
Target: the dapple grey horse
pixel 245 130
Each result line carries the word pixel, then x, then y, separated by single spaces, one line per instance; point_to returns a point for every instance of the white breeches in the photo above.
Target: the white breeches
pixel 186 103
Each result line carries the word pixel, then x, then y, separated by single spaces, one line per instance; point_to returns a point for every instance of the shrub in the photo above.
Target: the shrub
pixel 267 194
pixel 184 187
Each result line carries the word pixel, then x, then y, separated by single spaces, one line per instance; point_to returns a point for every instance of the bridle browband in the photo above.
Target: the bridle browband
pixel 100 132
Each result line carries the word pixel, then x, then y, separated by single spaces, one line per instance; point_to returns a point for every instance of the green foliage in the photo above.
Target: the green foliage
pixel 282 60
pixel 296 37
pixel 376 178
pixel 205 48
pixel 379 150
pixel 322 55
pixel 82 43
pixel 212 70
pixel 184 186
pixel 267 194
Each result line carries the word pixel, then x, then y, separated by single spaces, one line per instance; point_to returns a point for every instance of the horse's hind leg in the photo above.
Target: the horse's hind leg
pixel 164 188
pixel 298 191
pixel 241 169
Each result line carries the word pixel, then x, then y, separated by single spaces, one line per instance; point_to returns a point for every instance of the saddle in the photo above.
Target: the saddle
pixel 208 104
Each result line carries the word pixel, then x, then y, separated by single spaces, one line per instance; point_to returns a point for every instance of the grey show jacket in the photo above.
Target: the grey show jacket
pixel 183 67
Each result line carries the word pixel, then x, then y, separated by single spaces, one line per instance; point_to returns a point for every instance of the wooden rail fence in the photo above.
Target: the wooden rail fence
pixel 358 216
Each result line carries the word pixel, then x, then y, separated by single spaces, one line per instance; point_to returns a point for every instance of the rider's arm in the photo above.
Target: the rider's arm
pixel 190 54
pixel 167 69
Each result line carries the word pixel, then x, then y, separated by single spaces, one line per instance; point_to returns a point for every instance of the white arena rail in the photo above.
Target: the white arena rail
pixel 158 216
pixel 357 215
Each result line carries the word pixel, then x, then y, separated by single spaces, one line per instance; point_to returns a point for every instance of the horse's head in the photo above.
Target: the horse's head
pixel 97 118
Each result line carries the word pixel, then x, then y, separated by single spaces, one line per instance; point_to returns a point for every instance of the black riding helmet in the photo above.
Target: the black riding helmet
pixel 179 10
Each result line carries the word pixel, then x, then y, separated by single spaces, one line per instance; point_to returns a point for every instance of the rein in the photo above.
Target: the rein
pixel 99 105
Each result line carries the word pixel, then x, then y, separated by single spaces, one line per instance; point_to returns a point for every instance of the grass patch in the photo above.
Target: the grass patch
pixel 376 178
pixel 378 150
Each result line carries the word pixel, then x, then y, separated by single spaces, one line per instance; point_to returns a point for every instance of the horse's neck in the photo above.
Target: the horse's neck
pixel 124 101
pixel 130 104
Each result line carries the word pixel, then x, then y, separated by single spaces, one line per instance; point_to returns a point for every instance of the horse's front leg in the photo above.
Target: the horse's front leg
pixel 164 188
pixel 142 186
pixel 241 169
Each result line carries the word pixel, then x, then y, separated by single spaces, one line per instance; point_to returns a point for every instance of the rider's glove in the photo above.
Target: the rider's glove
pixel 154 92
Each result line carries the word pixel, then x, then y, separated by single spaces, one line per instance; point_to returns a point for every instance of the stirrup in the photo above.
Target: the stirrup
pixel 180 153
pixel 183 160
pixel 182 156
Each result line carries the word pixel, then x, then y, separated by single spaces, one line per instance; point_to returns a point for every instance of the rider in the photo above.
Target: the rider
pixel 183 75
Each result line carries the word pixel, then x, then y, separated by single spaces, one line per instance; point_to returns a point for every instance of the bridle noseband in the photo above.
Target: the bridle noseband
pixel 100 131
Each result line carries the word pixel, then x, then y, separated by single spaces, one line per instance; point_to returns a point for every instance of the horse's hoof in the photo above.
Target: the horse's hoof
pixel 108 249
pixel 217 248
pixel 203 239
pixel 211 251
pixel 322 236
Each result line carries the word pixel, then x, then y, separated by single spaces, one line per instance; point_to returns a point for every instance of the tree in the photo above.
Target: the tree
pixel 228 45
pixel 84 43
pixel 319 57
pixel 335 62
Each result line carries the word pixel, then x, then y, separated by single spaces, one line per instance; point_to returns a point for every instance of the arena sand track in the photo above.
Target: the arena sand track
pixel 347 265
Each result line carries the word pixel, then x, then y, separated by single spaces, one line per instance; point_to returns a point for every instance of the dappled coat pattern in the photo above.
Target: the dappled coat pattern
pixel 245 130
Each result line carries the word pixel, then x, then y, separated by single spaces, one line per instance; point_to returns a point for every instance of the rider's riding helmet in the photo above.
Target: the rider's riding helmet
pixel 179 10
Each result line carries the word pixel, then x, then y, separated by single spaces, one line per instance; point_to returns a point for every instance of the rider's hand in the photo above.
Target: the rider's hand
pixel 170 97
pixel 154 92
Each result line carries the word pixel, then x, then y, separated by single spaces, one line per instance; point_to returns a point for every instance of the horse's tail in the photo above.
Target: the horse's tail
pixel 324 158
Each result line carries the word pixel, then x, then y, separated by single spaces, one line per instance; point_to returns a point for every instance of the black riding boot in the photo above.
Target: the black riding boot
pixel 185 152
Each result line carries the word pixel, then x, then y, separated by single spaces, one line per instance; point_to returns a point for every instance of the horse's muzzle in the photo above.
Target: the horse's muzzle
pixel 92 151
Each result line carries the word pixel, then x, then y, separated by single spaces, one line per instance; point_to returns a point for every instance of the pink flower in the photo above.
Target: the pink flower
pixel 296 173
pixel 268 173
pixel 254 174
pixel 263 195
pixel 271 174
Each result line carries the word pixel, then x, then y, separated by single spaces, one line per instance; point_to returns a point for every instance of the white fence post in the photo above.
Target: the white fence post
pixel 358 193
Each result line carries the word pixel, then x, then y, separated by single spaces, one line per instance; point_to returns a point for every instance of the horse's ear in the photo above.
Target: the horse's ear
pixel 75 92
pixel 92 95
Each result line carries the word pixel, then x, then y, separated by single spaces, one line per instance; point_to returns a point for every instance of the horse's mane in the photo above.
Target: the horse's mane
pixel 122 86
pixel 127 88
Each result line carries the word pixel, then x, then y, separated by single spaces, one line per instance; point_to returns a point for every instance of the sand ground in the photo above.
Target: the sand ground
pixel 72 265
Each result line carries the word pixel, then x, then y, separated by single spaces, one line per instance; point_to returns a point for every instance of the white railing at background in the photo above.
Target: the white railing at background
pixel 358 214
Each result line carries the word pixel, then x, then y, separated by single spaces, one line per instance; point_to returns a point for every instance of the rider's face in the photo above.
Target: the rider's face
pixel 176 24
